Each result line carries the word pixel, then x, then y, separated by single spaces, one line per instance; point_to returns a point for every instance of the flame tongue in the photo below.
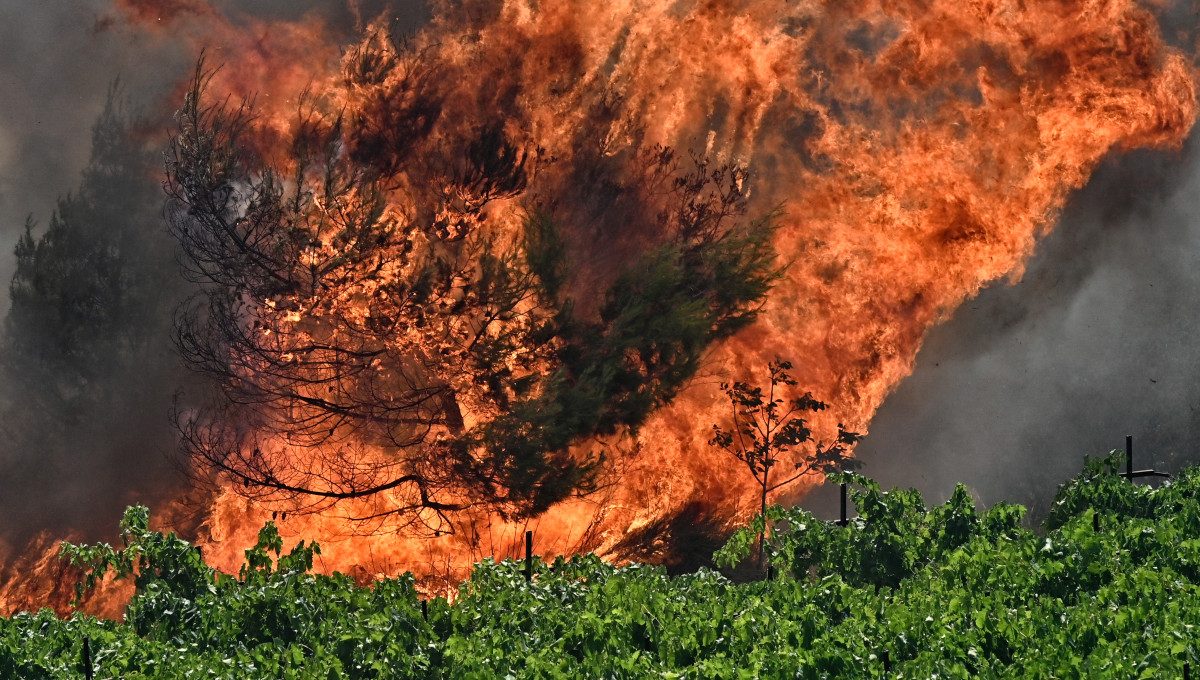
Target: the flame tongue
pixel 918 150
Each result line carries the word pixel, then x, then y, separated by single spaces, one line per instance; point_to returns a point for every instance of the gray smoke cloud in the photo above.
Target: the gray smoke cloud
pixel 1097 341
pixel 56 65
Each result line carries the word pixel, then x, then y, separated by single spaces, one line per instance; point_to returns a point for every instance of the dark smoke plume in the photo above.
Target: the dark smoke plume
pixel 86 364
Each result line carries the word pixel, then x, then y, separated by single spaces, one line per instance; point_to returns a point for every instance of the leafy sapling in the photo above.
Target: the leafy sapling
pixel 766 431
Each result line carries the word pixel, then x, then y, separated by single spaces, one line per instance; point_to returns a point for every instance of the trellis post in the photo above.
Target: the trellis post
pixel 529 557
pixel 88 672
pixel 1132 474
pixel 842 519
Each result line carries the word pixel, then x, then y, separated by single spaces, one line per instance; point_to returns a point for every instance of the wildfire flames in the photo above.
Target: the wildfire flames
pixel 917 151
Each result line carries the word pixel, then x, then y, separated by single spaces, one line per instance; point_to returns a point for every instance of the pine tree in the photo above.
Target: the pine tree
pixel 88 368
pixel 376 335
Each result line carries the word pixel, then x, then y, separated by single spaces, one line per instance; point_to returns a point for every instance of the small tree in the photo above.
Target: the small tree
pixel 766 430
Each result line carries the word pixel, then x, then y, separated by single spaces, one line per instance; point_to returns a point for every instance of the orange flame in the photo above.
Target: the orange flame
pixel 918 151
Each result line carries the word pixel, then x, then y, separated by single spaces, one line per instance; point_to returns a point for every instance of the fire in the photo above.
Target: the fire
pixel 37 578
pixel 917 151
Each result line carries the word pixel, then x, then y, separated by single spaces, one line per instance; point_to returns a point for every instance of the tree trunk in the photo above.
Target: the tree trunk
pixel 762 534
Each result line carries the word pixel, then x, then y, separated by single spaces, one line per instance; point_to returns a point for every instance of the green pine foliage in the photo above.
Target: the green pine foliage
pixel 946 592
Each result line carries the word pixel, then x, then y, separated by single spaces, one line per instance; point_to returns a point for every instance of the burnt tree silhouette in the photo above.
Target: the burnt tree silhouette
pixel 384 342
pixel 767 430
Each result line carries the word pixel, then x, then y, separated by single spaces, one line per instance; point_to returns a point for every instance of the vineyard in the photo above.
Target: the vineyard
pixel 1109 586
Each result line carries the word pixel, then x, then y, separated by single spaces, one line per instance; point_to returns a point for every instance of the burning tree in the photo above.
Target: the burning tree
pixel 767 430
pixel 391 312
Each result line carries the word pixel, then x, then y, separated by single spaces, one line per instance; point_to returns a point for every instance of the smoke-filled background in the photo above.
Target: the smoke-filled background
pixel 58 61
pixel 1094 342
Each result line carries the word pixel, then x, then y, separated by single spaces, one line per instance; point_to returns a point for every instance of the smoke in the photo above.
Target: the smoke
pixel 55 71
pixel 1097 341
pixel 57 61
